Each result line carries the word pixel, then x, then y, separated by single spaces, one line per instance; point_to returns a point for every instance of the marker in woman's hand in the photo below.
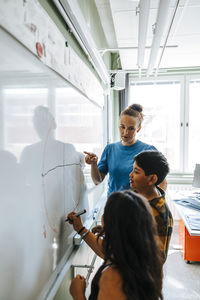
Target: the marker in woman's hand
pixel 77 215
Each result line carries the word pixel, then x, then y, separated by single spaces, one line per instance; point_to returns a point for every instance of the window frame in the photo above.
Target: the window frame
pixel 182 176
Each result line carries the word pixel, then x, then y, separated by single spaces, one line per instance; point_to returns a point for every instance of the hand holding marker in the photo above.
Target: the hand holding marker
pixel 74 219
pixel 77 214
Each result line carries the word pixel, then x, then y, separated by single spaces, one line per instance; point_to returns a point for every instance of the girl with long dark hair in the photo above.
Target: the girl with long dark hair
pixel 132 267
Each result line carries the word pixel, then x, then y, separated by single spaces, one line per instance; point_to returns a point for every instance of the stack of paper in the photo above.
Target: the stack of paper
pixel 193 221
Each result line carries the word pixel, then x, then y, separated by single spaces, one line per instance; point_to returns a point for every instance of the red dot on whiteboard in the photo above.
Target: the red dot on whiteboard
pixel 39 49
pixel 44 231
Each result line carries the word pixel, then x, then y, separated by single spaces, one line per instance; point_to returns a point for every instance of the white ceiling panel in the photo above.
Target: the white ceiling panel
pixel 128 59
pixel 104 11
pixel 187 21
pixel 183 56
pixel 184 36
pixel 123 5
pixel 127 20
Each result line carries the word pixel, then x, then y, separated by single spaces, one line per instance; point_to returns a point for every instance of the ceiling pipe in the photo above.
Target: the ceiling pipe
pixel 144 9
pixel 166 39
pixel 162 15
pixel 103 51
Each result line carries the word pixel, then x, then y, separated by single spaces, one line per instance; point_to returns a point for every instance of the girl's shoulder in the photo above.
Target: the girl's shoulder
pixel 110 284
pixel 110 271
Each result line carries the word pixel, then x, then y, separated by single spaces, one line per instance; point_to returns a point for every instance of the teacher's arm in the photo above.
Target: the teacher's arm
pixel 91 159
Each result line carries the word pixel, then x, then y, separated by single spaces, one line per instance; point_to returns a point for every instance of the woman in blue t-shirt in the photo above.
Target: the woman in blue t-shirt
pixel 117 158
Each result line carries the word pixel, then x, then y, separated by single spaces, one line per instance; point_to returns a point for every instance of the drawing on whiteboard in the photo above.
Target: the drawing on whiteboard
pixel 56 168
pixel 60 166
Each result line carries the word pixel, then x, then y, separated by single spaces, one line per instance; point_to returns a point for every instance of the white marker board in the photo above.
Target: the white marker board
pixel 45 125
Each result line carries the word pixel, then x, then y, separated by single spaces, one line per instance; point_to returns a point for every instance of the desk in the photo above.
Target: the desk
pixel 189 239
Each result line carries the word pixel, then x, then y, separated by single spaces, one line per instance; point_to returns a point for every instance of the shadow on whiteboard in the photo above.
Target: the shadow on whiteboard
pixel 38 193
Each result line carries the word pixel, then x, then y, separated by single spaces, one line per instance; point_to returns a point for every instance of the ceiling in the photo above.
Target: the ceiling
pixel 120 25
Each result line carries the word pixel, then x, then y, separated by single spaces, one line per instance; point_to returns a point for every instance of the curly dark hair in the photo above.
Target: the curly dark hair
pixel 130 243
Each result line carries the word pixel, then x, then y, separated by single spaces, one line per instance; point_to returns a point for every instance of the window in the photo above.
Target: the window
pixel 17 105
pixel 171 108
pixel 193 124
pixel 79 121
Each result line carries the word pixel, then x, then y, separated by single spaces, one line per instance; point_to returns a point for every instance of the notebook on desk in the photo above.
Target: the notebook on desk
pixel 190 202
pixel 192 199
pixel 193 221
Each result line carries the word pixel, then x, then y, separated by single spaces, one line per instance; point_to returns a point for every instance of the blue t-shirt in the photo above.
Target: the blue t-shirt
pixel 117 160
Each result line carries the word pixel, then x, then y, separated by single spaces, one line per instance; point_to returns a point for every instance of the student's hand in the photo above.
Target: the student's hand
pixel 97 229
pixel 77 287
pixel 90 158
pixel 75 221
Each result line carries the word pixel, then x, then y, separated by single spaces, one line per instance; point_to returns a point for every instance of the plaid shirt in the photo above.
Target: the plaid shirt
pixel 164 220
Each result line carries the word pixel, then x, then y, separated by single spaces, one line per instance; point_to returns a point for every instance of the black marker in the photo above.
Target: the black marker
pixel 77 214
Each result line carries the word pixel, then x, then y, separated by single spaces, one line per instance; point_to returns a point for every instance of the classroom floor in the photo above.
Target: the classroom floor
pixel 181 280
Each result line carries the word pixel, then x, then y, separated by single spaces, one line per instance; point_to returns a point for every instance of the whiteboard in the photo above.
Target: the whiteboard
pixel 45 126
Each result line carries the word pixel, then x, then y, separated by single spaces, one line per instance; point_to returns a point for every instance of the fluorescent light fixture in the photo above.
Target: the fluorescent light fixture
pixel 162 15
pixel 73 16
pixel 144 8
pixel 167 36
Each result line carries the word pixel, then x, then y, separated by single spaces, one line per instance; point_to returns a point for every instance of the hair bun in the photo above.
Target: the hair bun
pixel 136 107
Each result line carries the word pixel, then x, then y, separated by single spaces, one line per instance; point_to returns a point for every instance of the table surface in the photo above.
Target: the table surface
pixel 186 211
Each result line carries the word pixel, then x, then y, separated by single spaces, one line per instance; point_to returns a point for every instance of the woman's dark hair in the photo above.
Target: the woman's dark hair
pixel 134 110
pixel 153 162
pixel 130 243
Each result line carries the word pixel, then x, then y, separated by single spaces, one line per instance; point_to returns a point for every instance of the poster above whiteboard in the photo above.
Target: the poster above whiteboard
pixel 28 22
